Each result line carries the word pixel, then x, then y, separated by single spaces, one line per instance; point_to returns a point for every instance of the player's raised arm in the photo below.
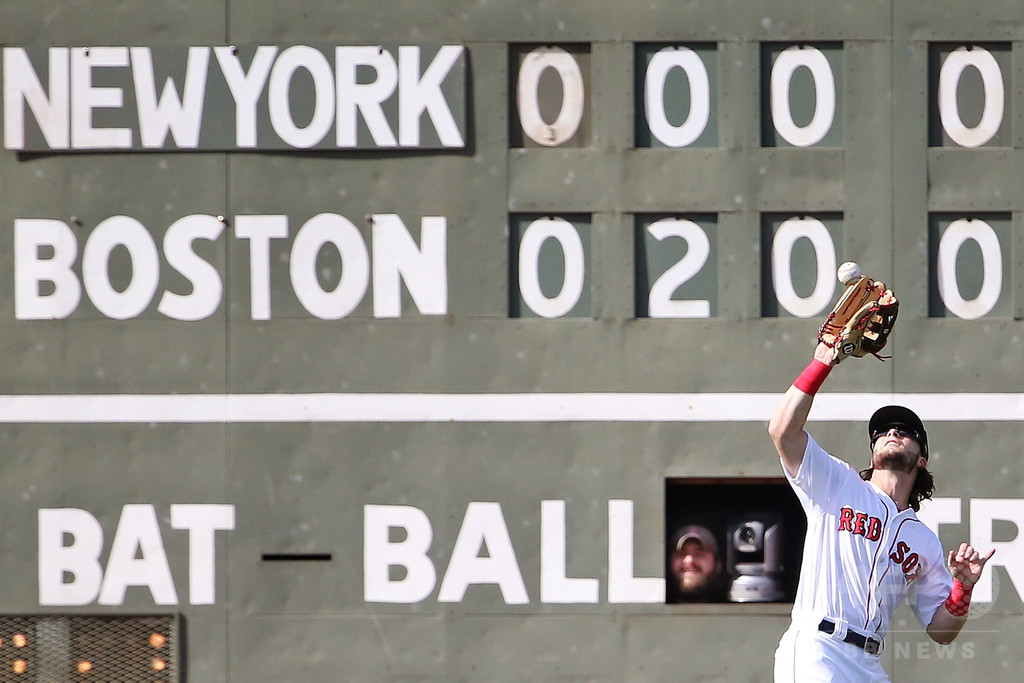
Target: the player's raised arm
pixel 859 324
pixel 786 427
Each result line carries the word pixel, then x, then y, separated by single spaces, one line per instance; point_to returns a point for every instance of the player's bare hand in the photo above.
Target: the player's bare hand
pixel 966 564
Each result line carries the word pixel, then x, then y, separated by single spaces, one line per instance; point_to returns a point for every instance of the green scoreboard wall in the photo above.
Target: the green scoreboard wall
pixel 367 341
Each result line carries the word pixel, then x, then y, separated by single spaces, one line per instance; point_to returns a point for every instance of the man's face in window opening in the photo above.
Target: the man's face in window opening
pixel 693 566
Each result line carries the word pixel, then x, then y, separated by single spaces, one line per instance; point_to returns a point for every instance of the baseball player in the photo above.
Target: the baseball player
pixel 865 550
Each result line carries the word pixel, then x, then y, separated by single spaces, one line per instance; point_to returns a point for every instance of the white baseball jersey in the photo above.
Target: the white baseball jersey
pixel 862 556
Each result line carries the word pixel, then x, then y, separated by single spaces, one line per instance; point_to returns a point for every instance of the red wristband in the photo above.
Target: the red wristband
pixel 959 599
pixel 811 379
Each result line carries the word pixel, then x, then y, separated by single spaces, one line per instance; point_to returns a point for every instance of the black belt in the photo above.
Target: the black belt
pixel 870 645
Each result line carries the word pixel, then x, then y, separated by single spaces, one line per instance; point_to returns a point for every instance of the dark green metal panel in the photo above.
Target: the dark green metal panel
pixel 289 576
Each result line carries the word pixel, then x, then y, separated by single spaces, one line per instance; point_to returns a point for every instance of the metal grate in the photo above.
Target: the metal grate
pixel 100 649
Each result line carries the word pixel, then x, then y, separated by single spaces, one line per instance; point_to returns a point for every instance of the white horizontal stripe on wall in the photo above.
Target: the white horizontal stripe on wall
pixel 525 407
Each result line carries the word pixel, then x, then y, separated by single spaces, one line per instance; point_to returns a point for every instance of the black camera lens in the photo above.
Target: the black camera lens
pixel 748 535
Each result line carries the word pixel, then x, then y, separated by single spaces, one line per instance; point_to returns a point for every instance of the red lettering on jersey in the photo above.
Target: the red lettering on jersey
pixel 875 529
pixel 845 517
pixel 858 525
pixel 909 563
pixel 900 554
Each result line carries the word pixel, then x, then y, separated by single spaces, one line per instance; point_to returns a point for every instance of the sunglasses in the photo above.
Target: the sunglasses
pixel 901 432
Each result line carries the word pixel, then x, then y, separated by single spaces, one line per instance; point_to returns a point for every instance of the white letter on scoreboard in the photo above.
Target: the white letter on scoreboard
pixel 30 270
pixel 939 511
pixel 622 585
pixel 355 272
pixel 202 522
pixel 555 587
pixel 573 274
pixel 958 232
pixel 85 97
pixel 696 121
pixel 163 114
pixel 660 303
pixel 21 83
pixel 782 277
pixel 316 65
pixel 483 524
pixel 825 95
pixel 949 109
pixel 129 233
pixel 380 554
pixel 81 559
pixel 245 88
pixel 206 284
pixel 138 558
pixel 259 230
pixel 364 98
pixel 1009 554
pixel 397 259
pixel 423 94
pixel 571 113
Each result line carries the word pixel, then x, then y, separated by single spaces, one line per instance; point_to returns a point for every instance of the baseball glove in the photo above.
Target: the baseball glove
pixel 861 321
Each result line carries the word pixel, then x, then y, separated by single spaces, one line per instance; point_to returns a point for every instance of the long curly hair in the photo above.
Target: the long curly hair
pixel 924 486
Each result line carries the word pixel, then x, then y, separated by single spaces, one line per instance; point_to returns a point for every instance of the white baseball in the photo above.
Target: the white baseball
pixel 848 272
